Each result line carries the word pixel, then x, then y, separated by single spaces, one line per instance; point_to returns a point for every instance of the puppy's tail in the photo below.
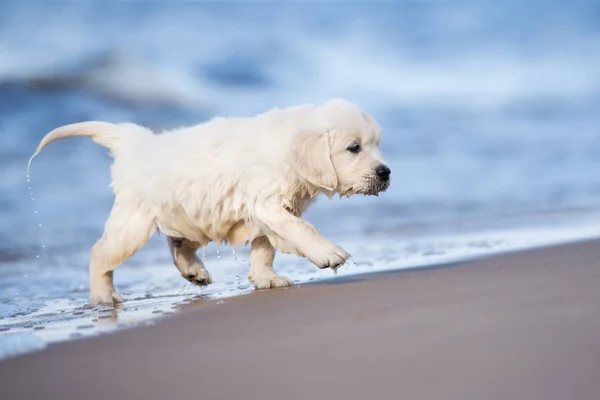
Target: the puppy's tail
pixel 103 133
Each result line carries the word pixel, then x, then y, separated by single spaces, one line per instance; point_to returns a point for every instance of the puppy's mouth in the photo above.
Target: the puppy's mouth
pixel 371 185
pixel 374 186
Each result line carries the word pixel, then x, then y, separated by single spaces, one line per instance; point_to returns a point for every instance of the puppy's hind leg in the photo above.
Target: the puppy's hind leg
pixel 261 274
pixel 187 262
pixel 127 229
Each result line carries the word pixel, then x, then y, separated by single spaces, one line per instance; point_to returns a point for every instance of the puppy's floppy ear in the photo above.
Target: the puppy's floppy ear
pixel 311 158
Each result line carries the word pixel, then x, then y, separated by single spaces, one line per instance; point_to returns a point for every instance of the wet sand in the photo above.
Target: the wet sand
pixel 517 326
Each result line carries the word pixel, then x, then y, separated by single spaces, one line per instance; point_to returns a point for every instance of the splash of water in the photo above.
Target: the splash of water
pixel 182 288
pixel 35 212
pixel 29 166
pixel 349 262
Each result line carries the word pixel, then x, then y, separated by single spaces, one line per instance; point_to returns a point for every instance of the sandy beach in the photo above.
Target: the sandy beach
pixel 523 325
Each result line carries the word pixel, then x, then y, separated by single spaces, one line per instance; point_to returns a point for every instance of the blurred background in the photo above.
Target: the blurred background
pixel 490 111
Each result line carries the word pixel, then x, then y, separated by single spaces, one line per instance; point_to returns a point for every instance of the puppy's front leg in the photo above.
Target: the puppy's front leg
pixel 187 262
pixel 261 266
pixel 291 234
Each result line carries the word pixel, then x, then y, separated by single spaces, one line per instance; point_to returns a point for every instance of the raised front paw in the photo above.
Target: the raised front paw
pixel 328 256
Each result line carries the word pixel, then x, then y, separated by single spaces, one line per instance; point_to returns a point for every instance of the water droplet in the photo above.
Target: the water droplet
pixel 33 199
pixel 37 256
pixel 218 252
pixel 29 165
pixel 39 224
pixel 43 246
pixel 35 212
pixel 204 252
pixel 234 254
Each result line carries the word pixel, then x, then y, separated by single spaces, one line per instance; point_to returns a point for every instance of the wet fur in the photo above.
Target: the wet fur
pixel 234 180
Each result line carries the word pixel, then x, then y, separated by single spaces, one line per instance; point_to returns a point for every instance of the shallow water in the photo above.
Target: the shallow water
pixel 489 114
pixel 54 307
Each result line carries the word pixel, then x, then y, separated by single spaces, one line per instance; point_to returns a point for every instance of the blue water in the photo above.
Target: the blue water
pixel 490 113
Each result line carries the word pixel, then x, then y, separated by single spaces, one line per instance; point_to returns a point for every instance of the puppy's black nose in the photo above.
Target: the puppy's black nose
pixel 383 172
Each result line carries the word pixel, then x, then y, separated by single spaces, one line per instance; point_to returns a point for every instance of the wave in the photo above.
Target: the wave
pixel 237 60
pixel 488 83
pixel 119 77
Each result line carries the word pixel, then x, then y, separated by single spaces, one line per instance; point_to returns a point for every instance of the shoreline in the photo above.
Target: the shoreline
pixel 156 290
pixel 517 325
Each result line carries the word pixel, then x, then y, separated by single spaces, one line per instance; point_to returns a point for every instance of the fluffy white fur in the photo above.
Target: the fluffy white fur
pixel 234 180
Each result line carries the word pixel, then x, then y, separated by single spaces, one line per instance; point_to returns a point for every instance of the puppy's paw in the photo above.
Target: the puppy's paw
pixel 269 280
pixel 328 256
pixel 199 277
pixel 110 299
pixel 204 277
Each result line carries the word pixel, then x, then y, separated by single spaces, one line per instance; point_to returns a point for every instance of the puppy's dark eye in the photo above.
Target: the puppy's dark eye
pixel 354 148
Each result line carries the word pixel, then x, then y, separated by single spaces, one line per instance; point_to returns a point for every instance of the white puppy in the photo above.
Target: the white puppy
pixel 234 180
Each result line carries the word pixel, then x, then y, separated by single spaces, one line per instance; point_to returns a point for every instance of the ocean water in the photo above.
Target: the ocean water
pixel 490 115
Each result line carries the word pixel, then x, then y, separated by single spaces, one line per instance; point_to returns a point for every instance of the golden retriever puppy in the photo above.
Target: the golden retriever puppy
pixel 231 180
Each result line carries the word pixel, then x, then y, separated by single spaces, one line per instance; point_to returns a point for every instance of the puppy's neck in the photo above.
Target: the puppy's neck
pixel 298 196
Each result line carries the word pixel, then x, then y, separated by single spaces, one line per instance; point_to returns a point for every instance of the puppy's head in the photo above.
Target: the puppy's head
pixel 338 151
